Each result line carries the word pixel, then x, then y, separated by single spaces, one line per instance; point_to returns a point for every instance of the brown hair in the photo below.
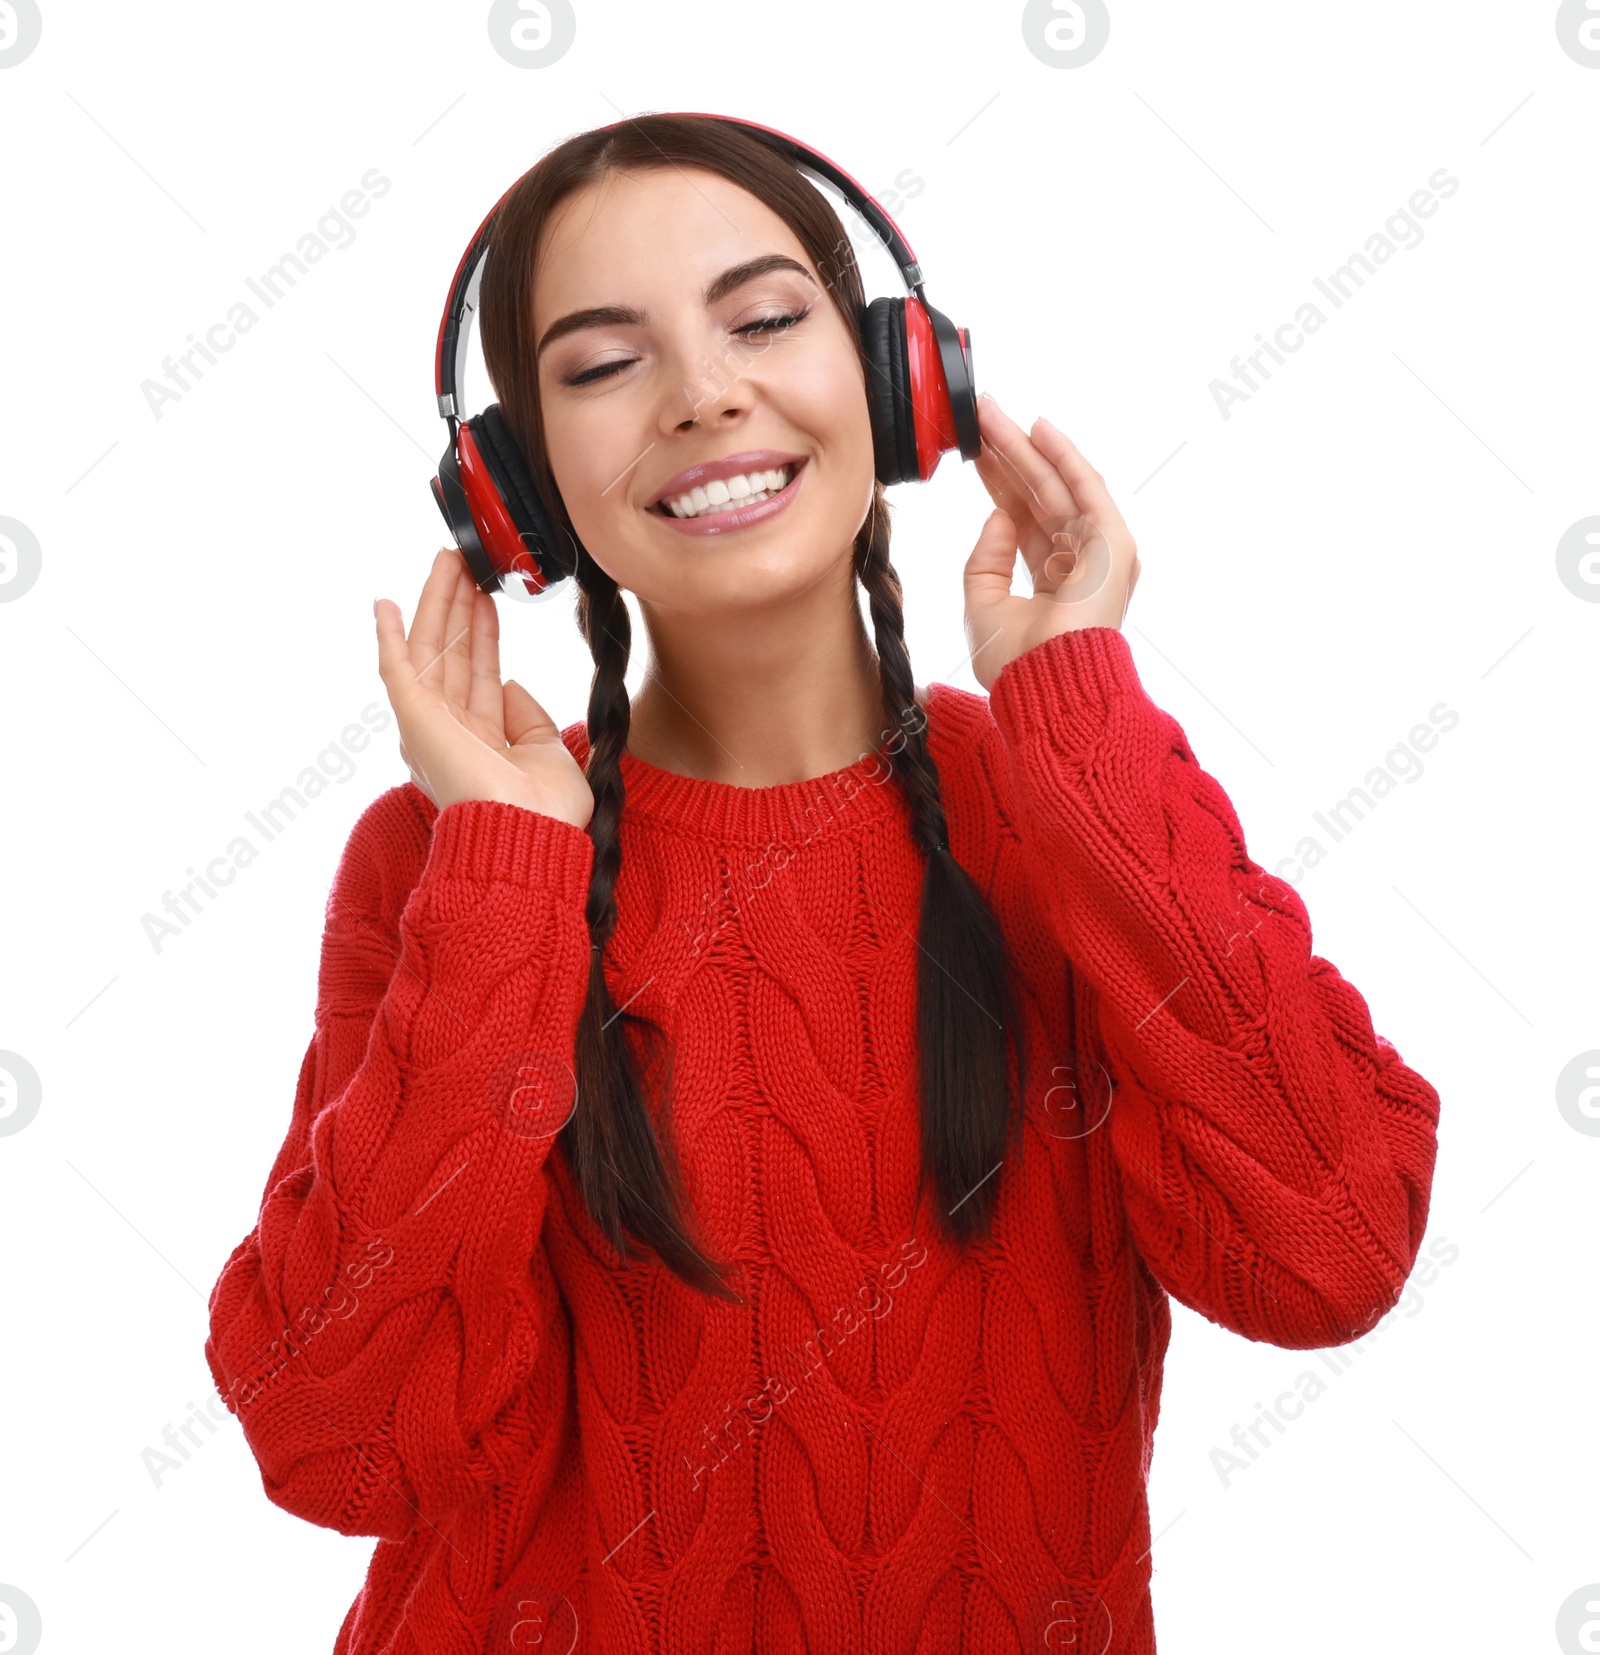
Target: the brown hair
pixel 627 1173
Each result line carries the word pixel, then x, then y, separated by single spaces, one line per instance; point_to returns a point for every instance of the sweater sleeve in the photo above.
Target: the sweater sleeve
pixel 1275 1154
pixel 380 1331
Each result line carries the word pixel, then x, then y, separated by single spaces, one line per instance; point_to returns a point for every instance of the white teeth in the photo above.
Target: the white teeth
pixel 726 493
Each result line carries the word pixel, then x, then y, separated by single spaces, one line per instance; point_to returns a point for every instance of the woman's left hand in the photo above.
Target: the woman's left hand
pixel 1055 510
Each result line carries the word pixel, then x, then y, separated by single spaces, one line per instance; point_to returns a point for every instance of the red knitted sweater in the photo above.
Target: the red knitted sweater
pixel 890 1447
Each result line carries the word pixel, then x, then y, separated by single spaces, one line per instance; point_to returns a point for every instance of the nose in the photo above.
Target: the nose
pixel 704 379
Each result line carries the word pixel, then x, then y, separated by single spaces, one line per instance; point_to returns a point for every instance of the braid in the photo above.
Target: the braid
pixel 629 1176
pixel 603 618
pixel 965 1005
pixel 918 774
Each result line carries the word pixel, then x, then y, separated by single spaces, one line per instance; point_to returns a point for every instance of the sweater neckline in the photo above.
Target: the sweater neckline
pixel 847 799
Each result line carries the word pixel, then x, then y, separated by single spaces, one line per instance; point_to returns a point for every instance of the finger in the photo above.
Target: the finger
pixel 526 722
pixel 986 579
pixel 1003 489
pixel 1007 485
pixel 433 612
pixel 1036 542
pixel 394 659
pixel 1034 476
pixel 1087 485
pixel 485 707
pixel 457 656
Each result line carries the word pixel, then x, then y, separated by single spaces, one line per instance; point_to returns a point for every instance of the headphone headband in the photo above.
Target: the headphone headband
pixel 450 352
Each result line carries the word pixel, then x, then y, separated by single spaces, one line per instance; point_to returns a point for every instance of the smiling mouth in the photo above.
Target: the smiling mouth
pixel 724 494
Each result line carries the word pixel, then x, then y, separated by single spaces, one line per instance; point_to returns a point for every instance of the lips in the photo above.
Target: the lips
pixel 734 517
pixel 730 465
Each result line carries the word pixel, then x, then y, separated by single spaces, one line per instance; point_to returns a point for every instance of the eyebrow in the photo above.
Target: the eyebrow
pixel 719 287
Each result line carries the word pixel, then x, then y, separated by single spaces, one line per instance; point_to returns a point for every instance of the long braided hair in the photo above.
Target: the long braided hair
pixel 627 1170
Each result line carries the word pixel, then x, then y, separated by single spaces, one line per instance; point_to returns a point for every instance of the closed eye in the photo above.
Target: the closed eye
pixel 767 324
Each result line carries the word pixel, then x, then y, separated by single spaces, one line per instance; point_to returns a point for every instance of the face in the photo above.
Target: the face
pixel 681 326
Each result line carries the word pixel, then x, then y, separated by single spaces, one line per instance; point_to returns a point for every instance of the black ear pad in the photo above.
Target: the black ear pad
pixel 512 479
pixel 894 438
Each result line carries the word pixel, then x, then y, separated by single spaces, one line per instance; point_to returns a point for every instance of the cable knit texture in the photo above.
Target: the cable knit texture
pixel 892 1448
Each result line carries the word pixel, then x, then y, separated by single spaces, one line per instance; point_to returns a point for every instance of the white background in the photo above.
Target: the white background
pixel 1372 534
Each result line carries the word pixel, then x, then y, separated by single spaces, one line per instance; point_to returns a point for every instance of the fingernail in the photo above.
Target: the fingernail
pixel 983 396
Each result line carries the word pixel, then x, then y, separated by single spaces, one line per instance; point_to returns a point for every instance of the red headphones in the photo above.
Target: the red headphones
pixel 920 395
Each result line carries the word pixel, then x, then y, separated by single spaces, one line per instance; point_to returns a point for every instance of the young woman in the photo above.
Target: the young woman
pixel 749 1138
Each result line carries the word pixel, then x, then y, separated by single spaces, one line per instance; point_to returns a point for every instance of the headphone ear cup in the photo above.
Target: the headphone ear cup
pixel 894 441
pixel 514 484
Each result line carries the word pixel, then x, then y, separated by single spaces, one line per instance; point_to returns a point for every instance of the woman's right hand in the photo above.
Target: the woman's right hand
pixel 464 735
